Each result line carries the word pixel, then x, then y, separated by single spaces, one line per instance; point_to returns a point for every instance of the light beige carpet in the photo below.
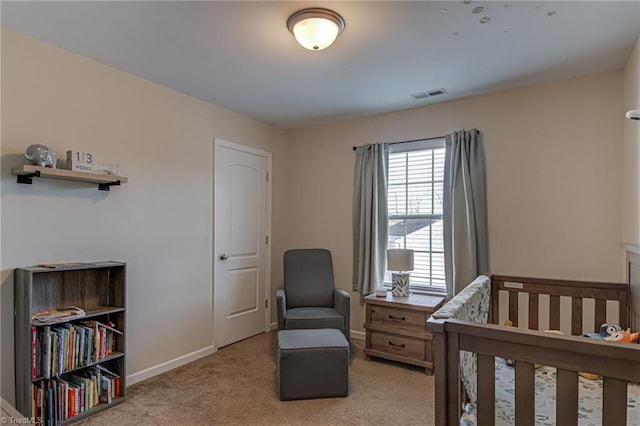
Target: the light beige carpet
pixel 237 386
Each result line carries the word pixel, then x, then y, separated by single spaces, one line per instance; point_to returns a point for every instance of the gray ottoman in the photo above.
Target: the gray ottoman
pixel 312 363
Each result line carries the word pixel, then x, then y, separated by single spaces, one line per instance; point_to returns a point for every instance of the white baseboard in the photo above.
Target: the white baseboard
pixel 358 335
pixel 274 326
pixel 147 373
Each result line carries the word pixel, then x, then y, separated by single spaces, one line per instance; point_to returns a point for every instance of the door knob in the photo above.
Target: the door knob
pixel 223 256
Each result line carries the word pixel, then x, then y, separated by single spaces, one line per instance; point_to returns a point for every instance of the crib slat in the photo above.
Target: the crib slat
pixel 554 312
pixel 513 307
pixel 576 316
pixel 600 314
pixel 453 378
pixel 623 309
pixel 567 398
pixel 525 402
pixel 494 312
pixel 614 402
pixel 533 311
pixel 486 390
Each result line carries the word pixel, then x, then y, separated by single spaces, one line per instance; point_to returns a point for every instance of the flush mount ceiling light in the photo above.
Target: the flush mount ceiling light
pixel 633 114
pixel 315 28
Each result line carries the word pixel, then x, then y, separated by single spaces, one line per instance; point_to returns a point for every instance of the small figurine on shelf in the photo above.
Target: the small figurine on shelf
pixel 41 155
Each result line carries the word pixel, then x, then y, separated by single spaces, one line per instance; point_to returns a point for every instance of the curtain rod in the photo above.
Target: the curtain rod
pixel 412 140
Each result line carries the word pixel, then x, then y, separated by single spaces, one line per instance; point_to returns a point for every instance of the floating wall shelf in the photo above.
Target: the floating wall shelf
pixel 27 172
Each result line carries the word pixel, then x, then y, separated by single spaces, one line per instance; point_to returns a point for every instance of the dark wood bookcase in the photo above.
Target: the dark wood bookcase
pixel 99 288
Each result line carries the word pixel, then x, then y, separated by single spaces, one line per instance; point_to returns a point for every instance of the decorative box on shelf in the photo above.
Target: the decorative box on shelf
pixel 80 161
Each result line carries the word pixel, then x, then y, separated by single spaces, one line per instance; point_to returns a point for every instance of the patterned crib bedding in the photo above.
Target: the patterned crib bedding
pixel 589 394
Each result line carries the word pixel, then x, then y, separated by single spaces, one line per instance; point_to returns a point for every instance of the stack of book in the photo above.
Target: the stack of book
pixel 58 399
pixel 66 347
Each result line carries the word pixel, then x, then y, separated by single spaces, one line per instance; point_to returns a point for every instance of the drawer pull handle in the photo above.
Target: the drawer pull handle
pixel 392 318
pixel 396 345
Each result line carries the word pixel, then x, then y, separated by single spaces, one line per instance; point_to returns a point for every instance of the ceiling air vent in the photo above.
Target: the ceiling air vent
pixel 428 94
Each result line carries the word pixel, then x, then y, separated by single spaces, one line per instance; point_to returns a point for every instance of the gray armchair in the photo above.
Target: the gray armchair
pixel 309 298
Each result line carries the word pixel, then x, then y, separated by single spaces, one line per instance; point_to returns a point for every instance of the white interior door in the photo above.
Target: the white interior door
pixel 241 263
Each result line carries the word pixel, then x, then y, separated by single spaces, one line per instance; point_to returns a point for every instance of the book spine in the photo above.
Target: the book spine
pixel 72 402
pixel 54 353
pixel 95 390
pixel 76 409
pixel 33 354
pixel 49 405
pixel 65 404
pixel 56 402
pixel 41 400
pixel 46 353
pixel 38 353
pixel 81 346
pixel 69 350
pixel 34 401
pixel 97 342
pixel 61 343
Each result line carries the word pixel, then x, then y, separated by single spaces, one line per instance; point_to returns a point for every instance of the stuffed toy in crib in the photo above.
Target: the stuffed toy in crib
pixel 625 336
pixel 605 331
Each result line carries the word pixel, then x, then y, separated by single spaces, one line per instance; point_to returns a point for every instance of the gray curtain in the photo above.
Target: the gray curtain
pixel 466 244
pixel 369 218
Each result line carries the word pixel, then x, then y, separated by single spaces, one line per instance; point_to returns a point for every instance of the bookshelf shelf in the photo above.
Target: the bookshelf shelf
pixel 26 172
pixel 95 410
pixel 93 345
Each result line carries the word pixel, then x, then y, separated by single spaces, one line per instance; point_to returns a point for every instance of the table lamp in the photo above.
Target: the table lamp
pixel 401 261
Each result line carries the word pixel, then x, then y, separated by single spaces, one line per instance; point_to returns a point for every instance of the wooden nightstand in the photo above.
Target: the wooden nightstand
pixel 396 328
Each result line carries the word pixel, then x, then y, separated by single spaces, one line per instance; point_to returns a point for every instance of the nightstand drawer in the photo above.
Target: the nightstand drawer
pixel 399 318
pixel 398 345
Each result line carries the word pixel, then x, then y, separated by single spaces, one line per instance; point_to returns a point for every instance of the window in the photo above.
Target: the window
pixel 414 200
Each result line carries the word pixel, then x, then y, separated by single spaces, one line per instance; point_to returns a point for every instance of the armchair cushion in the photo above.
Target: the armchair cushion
pixel 314 317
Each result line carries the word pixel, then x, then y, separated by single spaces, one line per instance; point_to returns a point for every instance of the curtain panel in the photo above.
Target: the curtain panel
pixel 466 244
pixel 369 218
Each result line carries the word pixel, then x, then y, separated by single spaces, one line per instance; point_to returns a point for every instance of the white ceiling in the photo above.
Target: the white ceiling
pixel 240 55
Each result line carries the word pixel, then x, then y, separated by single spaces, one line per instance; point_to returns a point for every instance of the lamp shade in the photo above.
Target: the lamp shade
pixel 315 28
pixel 400 260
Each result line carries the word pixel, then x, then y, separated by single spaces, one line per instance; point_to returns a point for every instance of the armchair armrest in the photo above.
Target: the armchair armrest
pixel 281 305
pixel 342 304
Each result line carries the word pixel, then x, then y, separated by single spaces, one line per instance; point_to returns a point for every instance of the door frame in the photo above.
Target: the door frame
pixel 219 143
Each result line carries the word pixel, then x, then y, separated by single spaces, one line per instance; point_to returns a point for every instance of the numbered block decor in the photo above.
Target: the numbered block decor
pixel 80 161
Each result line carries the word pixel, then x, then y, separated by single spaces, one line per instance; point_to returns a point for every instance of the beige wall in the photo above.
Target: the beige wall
pixel 160 222
pixel 631 151
pixel 554 161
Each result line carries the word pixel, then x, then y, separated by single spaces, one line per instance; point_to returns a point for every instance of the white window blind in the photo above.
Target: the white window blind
pixel 414 200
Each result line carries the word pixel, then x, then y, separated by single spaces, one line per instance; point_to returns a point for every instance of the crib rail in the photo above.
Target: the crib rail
pixel 617 363
pixel 578 291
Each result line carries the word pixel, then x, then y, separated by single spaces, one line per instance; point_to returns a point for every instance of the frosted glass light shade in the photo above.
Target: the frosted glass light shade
pixel 400 260
pixel 315 28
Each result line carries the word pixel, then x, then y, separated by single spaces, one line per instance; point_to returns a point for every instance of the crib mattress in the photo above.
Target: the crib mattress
pixel 589 394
